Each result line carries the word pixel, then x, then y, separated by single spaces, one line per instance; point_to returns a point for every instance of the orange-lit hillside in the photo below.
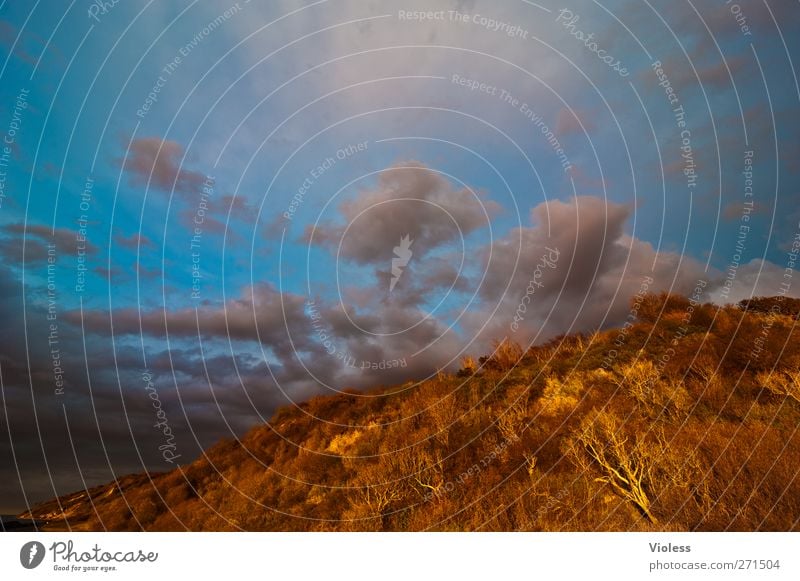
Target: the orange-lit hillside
pixel 689 420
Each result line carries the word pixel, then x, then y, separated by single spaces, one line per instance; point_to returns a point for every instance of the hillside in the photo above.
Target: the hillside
pixel 685 420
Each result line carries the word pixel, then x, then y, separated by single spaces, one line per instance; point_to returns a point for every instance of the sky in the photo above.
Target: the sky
pixel 212 209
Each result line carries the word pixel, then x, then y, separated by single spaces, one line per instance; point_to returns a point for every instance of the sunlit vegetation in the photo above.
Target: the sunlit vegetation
pixel 687 421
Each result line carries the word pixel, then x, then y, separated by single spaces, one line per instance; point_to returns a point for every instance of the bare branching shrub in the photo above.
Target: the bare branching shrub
pixel 530 467
pixel 506 354
pixel 378 497
pixel 513 420
pixel 642 380
pixel 706 369
pixel 707 379
pixel 423 469
pixel 672 398
pixel 637 378
pixel 782 383
pixel 624 464
pixel 643 468
pixel 376 491
pixel 435 403
pixel 442 414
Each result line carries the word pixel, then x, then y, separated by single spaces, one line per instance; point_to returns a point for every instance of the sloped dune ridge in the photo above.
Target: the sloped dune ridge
pixel 687 419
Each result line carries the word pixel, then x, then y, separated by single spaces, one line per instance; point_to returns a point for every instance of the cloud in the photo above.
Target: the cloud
pixel 273 228
pixel 209 225
pixel 146 273
pixel 261 312
pixel 135 242
pixel 569 122
pixel 719 75
pixel 424 281
pixel 35 239
pixel 591 271
pixel 686 81
pixel 388 333
pixel 723 23
pixel 93 442
pixel 409 200
pixel 156 161
pixel 733 210
pixel 26 44
pixel 238 206
pixel 109 273
pixel 582 230
pixel 304 351
pixel 597 269
pixel 757 278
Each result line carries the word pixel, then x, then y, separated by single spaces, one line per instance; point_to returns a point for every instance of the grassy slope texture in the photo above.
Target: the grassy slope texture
pixel 687 420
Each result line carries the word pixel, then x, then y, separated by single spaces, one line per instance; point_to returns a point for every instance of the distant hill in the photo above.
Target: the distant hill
pixel 687 419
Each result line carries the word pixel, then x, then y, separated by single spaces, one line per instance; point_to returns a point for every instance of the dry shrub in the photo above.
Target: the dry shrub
pixel 468 366
pixel 374 495
pixel 422 468
pixel 343 443
pixel 560 395
pixel 782 383
pixel 654 306
pixel 705 369
pixel 658 397
pixel 513 421
pixel 506 354
pixel 443 415
pixel 437 406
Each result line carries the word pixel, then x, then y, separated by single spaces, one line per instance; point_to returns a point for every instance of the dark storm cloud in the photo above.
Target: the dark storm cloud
pixel 425 281
pixel 409 200
pixel 598 269
pixel 108 411
pixel 387 334
pixel 34 412
pixel 582 231
pixel 305 351
pixel 261 312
